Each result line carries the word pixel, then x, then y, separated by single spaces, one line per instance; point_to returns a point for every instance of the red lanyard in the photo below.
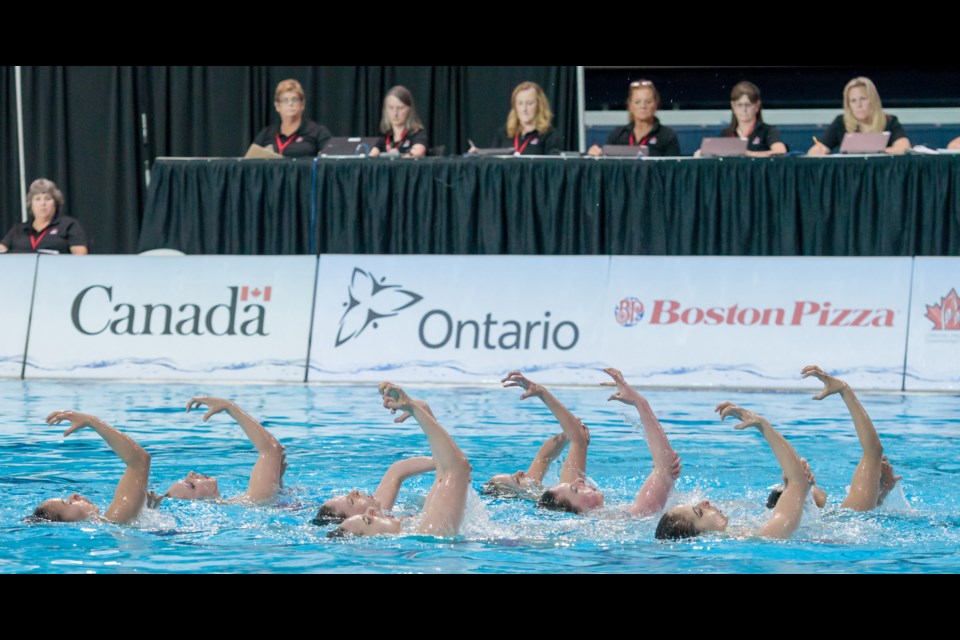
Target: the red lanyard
pixel 403 134
pixel 283 145
pixel 749 133
pixel 36 243
pixel 633 140
pixel 517 148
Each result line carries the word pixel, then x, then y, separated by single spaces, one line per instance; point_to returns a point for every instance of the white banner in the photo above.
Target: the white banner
pixel 933 346
pixel 756 321
pixel 16 288
pixel 194 317
pixel 457 318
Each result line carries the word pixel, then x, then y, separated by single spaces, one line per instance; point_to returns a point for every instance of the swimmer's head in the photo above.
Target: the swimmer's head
pixel 508 484
pixel 76 508
pixel 336 510
pixel 371 523
pixel 195 486
pixel 774 497
pixel 573 497
pixel 690 520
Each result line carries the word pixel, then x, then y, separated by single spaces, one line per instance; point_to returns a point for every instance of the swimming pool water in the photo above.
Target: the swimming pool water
pixel 339 438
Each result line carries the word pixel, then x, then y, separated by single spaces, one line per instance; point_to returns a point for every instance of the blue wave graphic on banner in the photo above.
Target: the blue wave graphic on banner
pixel 743 369
pixel 165 363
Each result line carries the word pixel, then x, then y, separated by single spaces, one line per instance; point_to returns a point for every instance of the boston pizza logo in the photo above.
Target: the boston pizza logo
pixel 369 300
pixel 628 312
pixel 946 315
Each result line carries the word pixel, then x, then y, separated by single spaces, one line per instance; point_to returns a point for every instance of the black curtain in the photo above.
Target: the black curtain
pixel 10 204
pixel 81 130
pixel 454 102
pixel 96 131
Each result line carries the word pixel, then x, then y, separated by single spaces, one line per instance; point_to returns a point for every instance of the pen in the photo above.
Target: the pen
pixel 471 143
pixel 815 141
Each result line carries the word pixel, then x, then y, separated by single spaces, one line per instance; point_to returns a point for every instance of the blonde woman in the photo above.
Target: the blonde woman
pixel 529 129
pixel 862 112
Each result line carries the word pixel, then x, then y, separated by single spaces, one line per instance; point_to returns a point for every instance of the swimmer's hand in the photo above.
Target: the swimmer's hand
pixel 395 398
pixel 76 419
pixel 153 500
pixel 625 393
pixel 216 405
pixel 406 414
pixel 747 418
pixel 517 379
pixel 887 480
pixel 677 467
pixel 831 385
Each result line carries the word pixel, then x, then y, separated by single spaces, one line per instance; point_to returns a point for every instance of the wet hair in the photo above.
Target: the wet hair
pixel 774 497
pixel 339 532
pixel 327 515
pixel 673 526
pixel 41 514
pixel 499 490
pixel 550 500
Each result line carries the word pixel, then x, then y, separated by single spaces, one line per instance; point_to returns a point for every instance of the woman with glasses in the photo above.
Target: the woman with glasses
pixel 763 140
pixel 644 128
pixel 295 136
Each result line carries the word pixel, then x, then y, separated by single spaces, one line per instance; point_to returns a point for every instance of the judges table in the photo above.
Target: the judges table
pixel 839 206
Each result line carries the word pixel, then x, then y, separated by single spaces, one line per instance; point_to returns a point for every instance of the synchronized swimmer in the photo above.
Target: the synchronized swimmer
pixel 444 507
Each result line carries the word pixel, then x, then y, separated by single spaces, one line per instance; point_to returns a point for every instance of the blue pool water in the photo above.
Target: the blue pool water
pixel 339 438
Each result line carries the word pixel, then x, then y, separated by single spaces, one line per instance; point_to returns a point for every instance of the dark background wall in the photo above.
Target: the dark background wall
pixel 83 125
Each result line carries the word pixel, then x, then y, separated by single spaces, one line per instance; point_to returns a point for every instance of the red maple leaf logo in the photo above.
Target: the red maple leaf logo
pixel 946 315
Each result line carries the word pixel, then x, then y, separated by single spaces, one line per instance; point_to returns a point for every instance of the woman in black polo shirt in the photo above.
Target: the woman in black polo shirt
pixel 47 230
pixel 295 136
pixel 529 128
pixel 862 112
pixel 402 130
pixel 763 140
pixel 644 128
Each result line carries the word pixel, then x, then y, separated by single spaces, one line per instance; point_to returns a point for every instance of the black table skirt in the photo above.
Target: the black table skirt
pixel 878 206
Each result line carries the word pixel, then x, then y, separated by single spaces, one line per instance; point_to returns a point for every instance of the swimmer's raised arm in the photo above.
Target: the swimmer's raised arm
pixel 865 486
pixel 789 510
pixel 265 479
pixel 548 452
pixel 575 464
pixel 445 505
pixel 666 463
pixel 389 487
pixel 131 492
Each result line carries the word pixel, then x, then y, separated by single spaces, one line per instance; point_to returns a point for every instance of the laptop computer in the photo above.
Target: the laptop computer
pixel 625 150
pixel 348 147
pixel 864 142
pixel 716 147
pixel 493 151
